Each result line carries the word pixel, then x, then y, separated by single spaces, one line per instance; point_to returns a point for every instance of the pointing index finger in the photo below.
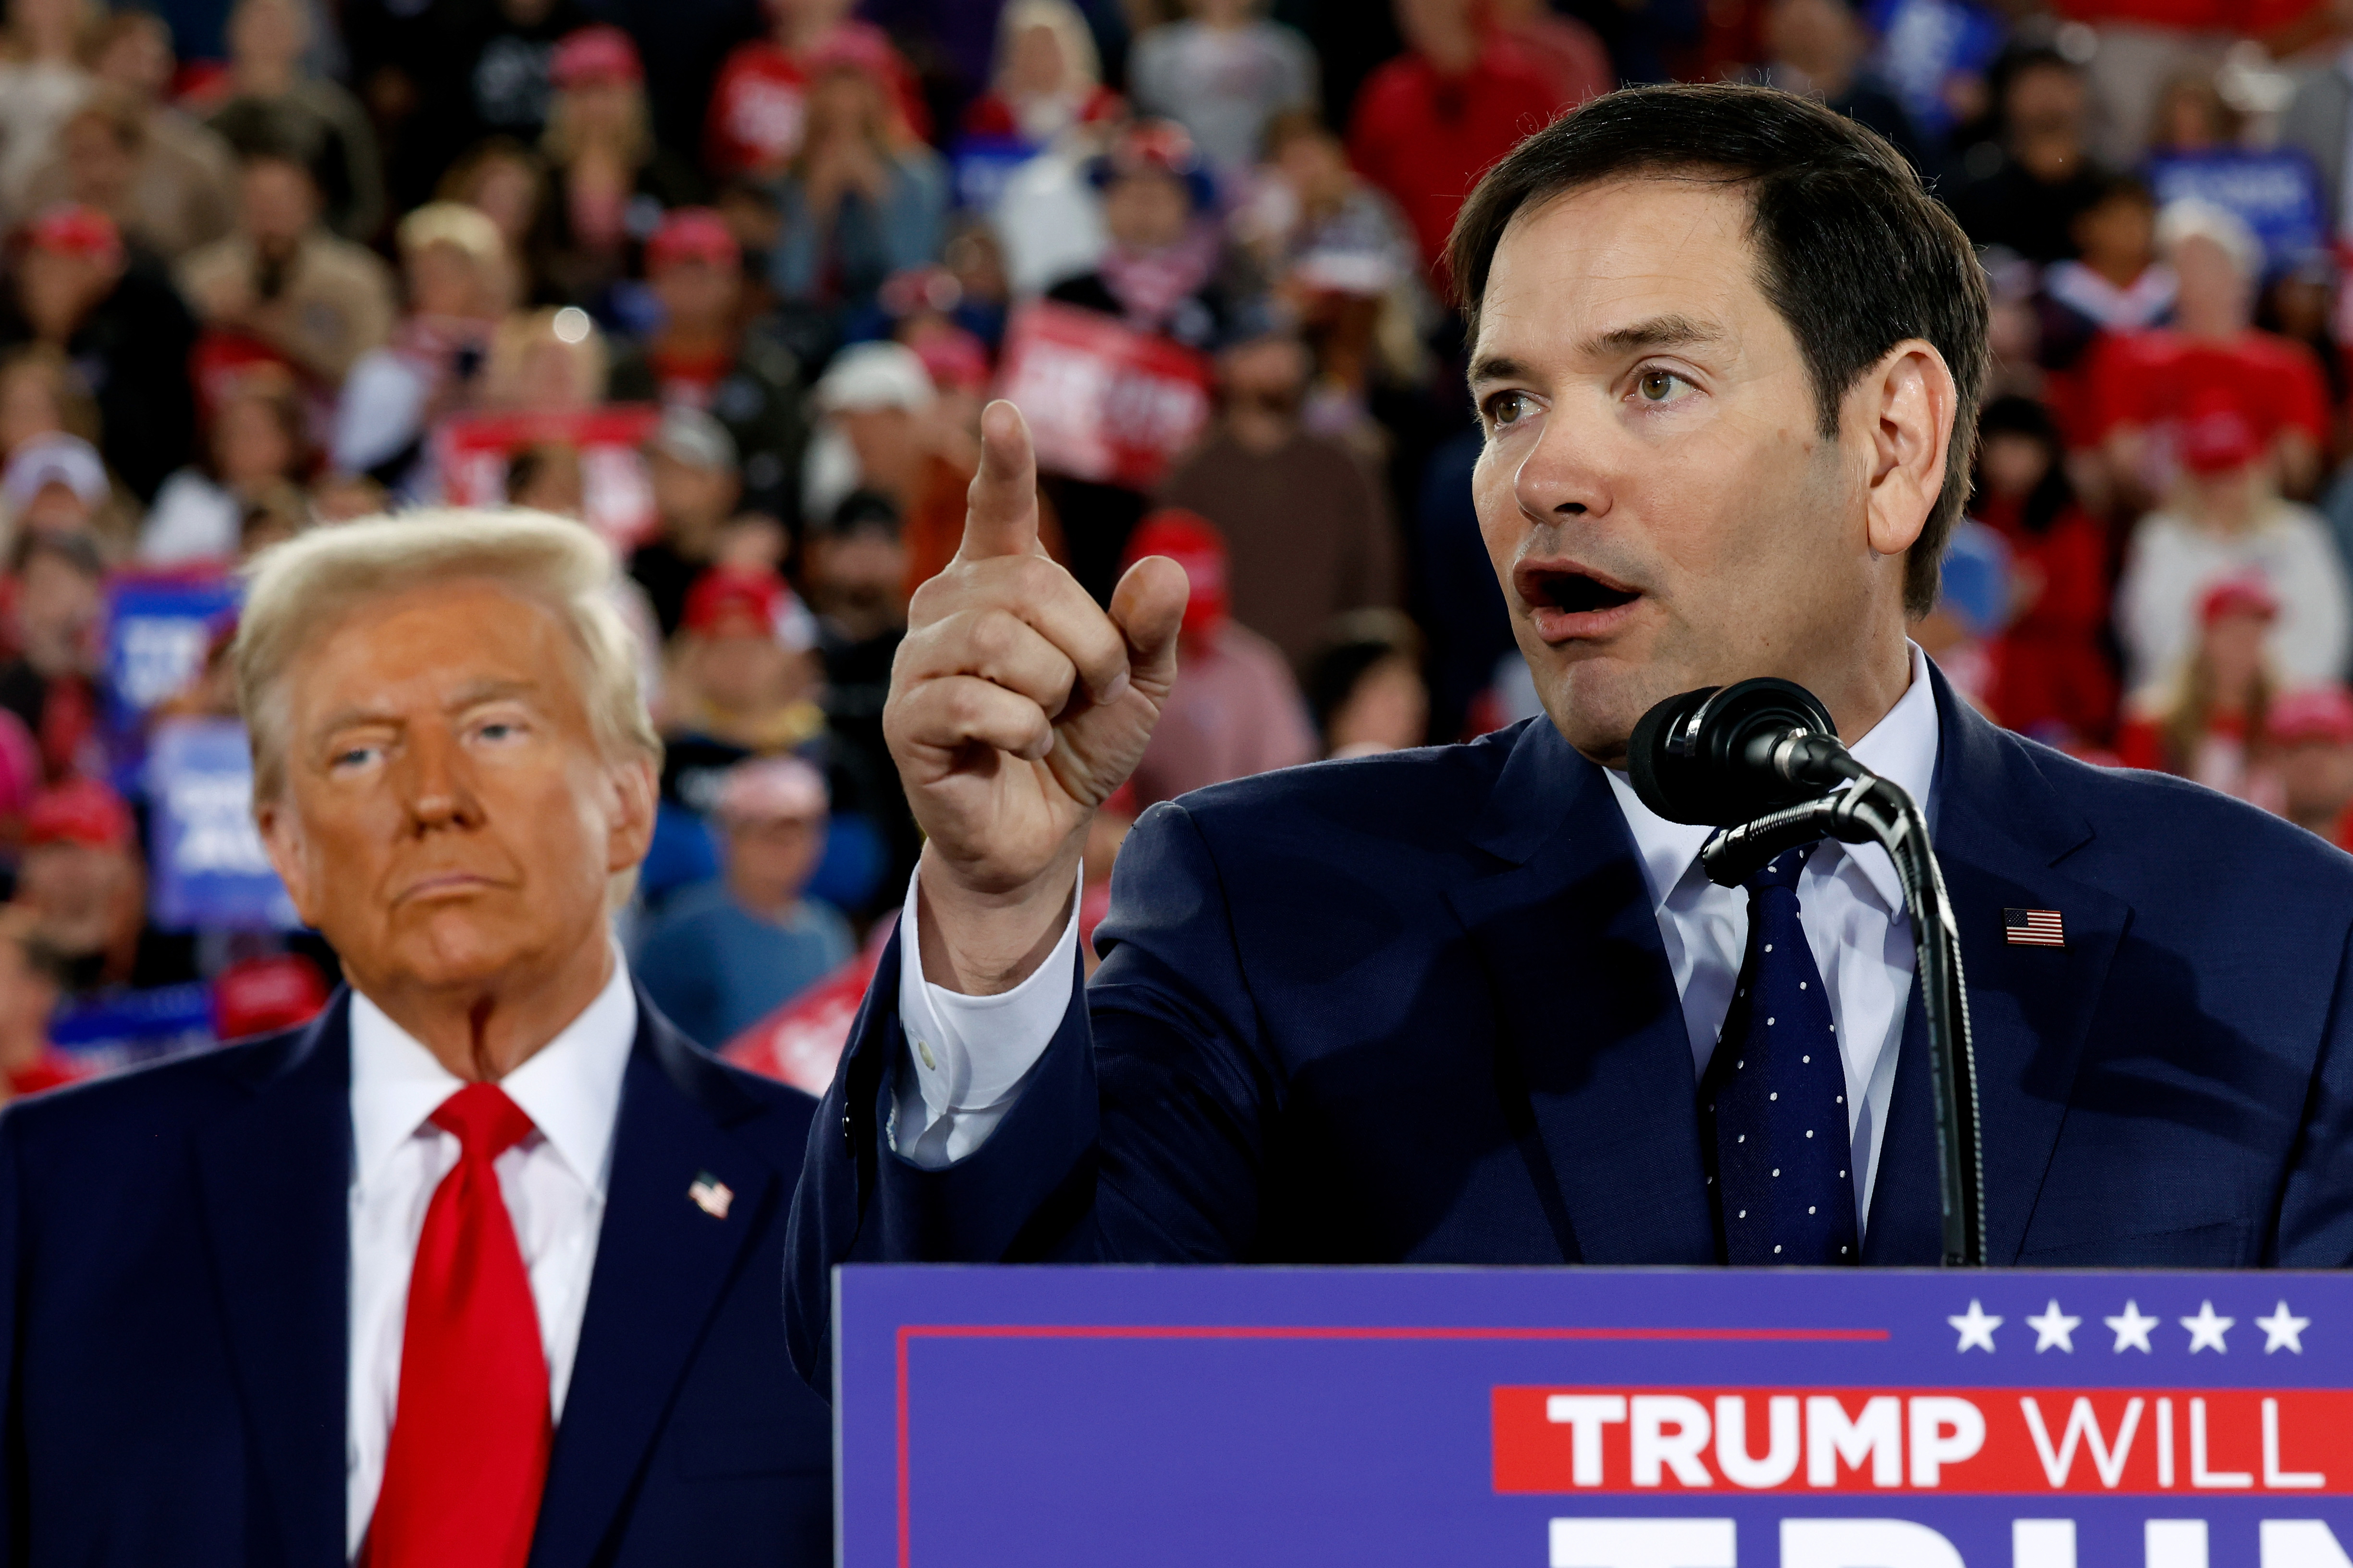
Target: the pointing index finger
pixel 1001 508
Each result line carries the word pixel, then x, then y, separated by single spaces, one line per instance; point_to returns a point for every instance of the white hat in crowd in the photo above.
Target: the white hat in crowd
pixel 876 375
pixel 54 460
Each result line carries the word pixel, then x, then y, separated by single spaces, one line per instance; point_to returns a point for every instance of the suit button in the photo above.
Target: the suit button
pixel 848 1136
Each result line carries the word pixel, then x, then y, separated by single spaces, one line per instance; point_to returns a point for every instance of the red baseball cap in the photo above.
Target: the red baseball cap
pixel 2244 595
pixel 257 996
pixel 1155 146
pixel 2217 436
pixel 956 359
pixel 600 52
pixel 695 233
pixel 737 600
pixel 70 229
pixel 79 811
pixel 2312 713
pixel 1193 542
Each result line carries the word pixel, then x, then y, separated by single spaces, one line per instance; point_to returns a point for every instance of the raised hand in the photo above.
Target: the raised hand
pixel 1017 705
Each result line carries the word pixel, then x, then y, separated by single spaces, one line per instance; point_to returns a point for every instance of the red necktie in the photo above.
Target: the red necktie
pixel 470 1433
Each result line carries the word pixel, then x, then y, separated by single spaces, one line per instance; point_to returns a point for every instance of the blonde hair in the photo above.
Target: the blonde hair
pixel 562 140
pixel 466 229
pixel 1069 29
pixel 523 332
pixel 295 591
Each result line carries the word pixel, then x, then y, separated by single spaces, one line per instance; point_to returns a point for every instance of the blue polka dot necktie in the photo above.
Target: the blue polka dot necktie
pixel 1773 1101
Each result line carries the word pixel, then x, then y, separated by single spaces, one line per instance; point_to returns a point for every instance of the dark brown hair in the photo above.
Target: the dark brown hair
pixel 1852 250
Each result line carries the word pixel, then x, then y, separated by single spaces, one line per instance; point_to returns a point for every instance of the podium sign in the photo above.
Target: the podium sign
pixel 1593 1419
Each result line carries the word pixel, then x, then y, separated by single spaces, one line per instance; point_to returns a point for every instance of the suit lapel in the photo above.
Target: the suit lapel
pixel 2001 833
pixel 1593 1062
pixel 662 1263
pixel 275 1177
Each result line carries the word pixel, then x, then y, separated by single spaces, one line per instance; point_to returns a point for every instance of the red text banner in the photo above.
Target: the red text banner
pixel 2024 1440
pixel 1104 402
pixel 616 495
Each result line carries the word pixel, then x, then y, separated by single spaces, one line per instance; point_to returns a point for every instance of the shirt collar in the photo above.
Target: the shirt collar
pixel 570 1088
pixel 1900 748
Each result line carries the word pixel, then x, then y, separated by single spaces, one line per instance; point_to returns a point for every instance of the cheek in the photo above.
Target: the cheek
pixel 1501 528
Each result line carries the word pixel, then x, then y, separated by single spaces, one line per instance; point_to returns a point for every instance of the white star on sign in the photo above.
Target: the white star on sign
pixel 2132 1329
pixel 1976 1327
pixel 2054 1328
pixel 2281 1328
pixel 2206 1330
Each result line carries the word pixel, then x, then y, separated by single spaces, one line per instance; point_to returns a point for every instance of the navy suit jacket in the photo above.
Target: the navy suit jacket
pixel 1414 1009
pixel 174 1264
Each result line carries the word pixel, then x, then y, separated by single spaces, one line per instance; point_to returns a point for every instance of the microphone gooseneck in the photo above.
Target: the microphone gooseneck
pixel 1762 761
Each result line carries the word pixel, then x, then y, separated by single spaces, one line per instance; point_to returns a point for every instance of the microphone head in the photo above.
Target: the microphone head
pixel 1661 781
pixel 1704 757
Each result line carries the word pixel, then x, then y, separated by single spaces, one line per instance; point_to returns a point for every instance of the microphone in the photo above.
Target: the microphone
pixel 1724 755
pixel 1760 759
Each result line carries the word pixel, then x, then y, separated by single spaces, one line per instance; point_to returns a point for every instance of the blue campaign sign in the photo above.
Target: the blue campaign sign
pixel 2277 194
pixel 124 1029
pixel 1593 1419
pixel 979 166
pixel 209 868
pixel 157 630
pixel 1923 45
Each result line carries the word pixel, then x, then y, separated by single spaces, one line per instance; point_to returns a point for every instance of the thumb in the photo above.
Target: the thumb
pixel 1001 508
pixel 1148 606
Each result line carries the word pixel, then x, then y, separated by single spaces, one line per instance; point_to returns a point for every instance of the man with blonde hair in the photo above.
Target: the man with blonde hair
pixel 488 1228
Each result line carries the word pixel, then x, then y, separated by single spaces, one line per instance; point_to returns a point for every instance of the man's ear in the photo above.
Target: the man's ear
pixel 1908 402
pixel 282 840
pixel 636 789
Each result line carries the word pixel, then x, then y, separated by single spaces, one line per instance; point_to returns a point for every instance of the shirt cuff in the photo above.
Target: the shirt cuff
pixel 968 1056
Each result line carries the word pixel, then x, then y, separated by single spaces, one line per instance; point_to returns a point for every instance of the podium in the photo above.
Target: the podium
pixel 1592 1418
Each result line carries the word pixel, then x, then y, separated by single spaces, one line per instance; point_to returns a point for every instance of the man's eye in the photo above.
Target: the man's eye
pixel 1507 408
pixel 351 757
pixel 1661 385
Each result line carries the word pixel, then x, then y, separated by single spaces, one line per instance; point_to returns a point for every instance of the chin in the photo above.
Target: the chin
pixel 455 951
pixel 1596 701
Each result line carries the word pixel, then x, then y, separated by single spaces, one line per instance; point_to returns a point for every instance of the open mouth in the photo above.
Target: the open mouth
pixel 1567 602
pixel 1576 592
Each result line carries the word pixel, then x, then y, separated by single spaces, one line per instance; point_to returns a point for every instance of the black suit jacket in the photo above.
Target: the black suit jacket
pixel 174 1298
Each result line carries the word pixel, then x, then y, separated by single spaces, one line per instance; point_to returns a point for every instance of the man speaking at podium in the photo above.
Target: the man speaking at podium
pixel 1475 1005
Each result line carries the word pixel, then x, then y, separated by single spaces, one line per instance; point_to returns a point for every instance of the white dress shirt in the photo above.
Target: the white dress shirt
pixel 1853 909
pixel 553 1183
pixel 970 1055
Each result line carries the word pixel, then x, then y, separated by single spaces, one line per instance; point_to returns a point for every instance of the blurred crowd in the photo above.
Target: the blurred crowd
pixel 729 282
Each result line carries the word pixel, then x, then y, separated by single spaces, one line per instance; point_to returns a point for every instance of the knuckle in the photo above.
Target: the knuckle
pixel 926 604
pixel 961 706
pixel 1037 577
pixel 993 638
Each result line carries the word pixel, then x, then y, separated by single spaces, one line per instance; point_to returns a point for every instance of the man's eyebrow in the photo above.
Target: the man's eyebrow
pixel 350 717
pixel 1658 333
pixel 471 695
pixel 1496 367
pixel 475 693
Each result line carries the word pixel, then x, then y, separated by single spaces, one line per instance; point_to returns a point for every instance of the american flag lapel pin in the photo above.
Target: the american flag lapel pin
pixel 2033 928
pixel 711 1195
